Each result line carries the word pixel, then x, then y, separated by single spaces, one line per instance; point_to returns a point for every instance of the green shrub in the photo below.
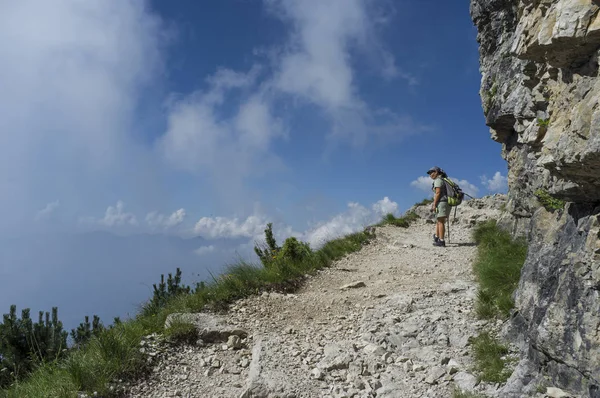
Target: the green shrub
pixel 497 268
pixel 294 250
pixel 271 255
pixel 490 360
pixel 550 203
pixel 544 123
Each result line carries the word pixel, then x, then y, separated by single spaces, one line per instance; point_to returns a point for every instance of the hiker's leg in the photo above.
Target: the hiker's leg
pixel 441 222
pixel 437 228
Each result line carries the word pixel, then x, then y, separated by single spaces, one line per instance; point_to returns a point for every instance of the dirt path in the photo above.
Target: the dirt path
pixel 402 333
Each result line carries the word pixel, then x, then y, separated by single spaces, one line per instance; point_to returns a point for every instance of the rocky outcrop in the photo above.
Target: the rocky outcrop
pixel 540 92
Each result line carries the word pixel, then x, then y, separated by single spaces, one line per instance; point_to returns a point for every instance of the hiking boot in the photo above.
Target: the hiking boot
pixel 440 243
pixel 435 238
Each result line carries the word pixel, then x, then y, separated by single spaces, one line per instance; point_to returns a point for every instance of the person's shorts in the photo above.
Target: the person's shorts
pixel 442 210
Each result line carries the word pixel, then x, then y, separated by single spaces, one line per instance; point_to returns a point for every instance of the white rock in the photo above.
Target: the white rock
pixel 555 392
pixel 234 342
pixel 374 349
pixel 452 367
pixel 435 374
pixel 465 381
pixel 418 368
pixel 316 373
pixel 353 285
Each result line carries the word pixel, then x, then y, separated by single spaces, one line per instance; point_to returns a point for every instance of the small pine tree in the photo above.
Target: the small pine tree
pixel 267 253
pixel 86 331
pixel 24 344
pixel 164 291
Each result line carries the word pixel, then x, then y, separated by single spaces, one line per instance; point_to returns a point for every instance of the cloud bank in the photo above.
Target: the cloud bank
pixel 71 76
pixel 355 218
pixel 498 183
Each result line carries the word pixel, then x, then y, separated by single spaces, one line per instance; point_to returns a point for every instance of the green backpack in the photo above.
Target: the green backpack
pixel 453 191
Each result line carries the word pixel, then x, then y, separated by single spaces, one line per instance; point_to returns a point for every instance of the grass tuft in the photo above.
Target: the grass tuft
pixel 50 380
pixel 497 268
pixel 424 202
pixel 403 222
pixel 490 359
pixel 182 332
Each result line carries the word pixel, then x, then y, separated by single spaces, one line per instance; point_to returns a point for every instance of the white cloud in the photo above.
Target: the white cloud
pixel 228 150
pixel 251 227
pixel 204 250
pixel 385 206
pixel 48 210
pixel 355 219
pixel 156 220
pixel 225 227
pixel 317 66
pixel 115 216
pixel 314 66
pixel 425 184
pixel 71 73
pixel 467 187
pixel 74 74
pixel 498 183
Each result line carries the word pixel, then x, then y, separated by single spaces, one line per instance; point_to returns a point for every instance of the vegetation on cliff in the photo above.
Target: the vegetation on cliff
pixel 497 268
pixel 550 203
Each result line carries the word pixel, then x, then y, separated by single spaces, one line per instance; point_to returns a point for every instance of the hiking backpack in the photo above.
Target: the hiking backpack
pixel 453 191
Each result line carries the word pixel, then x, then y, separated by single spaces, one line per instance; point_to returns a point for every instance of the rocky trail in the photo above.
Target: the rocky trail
pixel 392 320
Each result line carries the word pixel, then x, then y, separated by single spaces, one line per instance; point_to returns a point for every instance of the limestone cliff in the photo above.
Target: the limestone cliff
pixel 540 93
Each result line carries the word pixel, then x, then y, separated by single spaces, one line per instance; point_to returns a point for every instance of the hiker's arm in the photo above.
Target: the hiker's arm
pixel 436 198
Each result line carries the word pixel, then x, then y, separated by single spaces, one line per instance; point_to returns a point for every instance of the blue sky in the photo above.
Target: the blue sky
pixel 212 118
pixel 208 119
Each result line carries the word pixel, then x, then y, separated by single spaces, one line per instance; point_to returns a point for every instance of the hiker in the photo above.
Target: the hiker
pixel 440 205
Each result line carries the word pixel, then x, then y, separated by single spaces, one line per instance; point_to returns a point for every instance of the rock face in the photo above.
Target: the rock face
pixel 540 92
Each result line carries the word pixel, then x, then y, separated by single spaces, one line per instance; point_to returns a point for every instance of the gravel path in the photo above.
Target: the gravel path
pixel 402 331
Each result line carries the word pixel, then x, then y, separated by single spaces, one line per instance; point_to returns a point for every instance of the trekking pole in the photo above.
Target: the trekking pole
pixel 448 229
